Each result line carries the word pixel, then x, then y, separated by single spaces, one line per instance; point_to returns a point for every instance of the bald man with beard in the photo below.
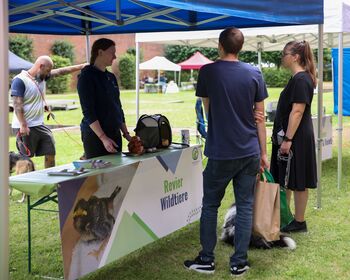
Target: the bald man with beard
pixel 28 94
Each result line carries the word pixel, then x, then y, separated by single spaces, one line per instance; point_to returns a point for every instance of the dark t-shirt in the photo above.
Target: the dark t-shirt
pixel 233 87
pixel 100 99
pixel 298 90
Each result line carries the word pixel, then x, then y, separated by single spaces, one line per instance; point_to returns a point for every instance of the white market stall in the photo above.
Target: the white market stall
pixel 159 63
pixel 336 30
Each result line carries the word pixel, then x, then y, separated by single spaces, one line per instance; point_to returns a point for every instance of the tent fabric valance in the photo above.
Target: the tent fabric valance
pixel 195 62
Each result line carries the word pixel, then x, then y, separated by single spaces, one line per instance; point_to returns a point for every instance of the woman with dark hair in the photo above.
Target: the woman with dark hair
pixel 293 161
pixel 100 101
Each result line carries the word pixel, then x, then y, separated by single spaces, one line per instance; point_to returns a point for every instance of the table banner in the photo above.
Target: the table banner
pixel 106 216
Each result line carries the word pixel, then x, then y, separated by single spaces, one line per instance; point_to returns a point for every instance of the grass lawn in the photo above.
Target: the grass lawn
pixel 321 254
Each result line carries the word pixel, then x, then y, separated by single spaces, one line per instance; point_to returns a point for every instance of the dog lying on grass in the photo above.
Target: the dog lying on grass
pixel 20 164
pixel 228 235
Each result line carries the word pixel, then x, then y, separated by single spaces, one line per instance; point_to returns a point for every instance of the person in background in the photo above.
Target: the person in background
pixel 103 116
pixel 293 133
pixel 162 81
pixel 235 146
pixel 33 138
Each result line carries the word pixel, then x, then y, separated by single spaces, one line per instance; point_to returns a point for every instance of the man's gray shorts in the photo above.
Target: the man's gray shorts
pixel 40 142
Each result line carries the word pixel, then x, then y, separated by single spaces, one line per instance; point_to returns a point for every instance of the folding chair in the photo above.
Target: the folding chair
pixel 201 125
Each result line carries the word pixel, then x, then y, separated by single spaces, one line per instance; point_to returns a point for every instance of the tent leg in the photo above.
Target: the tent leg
pixel 319 114
pixel 4 144
pixel 137 83
pixel 340 108
pixel 179 79
pixel 259 54
pixel 29 235
pixel 87 40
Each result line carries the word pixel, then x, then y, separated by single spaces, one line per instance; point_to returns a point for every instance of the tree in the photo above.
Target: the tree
pixel 21 46
pixel 177 53
pixel 127 71
pixel 327 63
pixel 266 57
pixel 59 84
pixel 132 51
pixel 64 49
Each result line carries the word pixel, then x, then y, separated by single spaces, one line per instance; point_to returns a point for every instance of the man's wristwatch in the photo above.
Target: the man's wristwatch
pixel 286 139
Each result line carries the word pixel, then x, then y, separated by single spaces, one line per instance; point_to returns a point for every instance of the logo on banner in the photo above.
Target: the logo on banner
pixel 195 153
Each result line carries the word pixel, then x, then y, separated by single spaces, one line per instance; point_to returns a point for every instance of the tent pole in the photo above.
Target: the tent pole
pixel 319 114
pixel 340 107
pixel 179 79
pixel 4 144
pixel 259 54
pixel 137 83
pixel 87 40
pixel 175 76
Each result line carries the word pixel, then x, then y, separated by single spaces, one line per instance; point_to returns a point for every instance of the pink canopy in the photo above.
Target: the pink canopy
pixel 196 61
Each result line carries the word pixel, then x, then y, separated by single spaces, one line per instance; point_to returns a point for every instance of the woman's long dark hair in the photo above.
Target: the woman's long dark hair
pixel 303 49
pixel 100 44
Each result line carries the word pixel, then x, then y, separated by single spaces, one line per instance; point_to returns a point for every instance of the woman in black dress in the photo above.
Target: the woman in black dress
pixel 293 132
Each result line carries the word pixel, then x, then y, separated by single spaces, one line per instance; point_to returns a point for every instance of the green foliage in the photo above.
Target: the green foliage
pixel 59 84
pixel 266 57
pixel 177 53
pixel 272 58
pixel 132 51
pixel 21 46
pixel 64 49
pixel 185 75
pixel 327 63
pixel 127 71
pixel 276 77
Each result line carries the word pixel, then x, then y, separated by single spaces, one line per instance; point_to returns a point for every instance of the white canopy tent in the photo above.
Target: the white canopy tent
pixel 336 19
pixel 159 63
pixel 336 30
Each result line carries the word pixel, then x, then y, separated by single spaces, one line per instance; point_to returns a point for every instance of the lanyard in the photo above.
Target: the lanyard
pixel 50 114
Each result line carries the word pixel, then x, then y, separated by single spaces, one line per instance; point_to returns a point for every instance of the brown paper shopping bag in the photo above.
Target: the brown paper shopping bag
pixel 266 213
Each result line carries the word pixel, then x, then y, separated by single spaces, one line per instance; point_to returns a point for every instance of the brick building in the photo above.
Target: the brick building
pixel 42 45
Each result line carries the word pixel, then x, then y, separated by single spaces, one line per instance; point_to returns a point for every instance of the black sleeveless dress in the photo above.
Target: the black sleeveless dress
pixel 303 171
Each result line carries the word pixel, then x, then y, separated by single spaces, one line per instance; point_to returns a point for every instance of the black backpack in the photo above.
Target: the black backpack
pixel 154 131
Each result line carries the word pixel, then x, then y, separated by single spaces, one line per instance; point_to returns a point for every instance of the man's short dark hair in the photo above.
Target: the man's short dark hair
pixel 231 40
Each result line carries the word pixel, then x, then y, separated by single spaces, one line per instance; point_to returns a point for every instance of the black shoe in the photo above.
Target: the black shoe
pixel 200 266
pixel 239 270
pixel 295 226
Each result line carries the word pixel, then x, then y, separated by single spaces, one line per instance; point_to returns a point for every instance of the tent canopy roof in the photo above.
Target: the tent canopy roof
pixel 16 63
pixel 336 19
pixel 76 17
pixel 196 61
pixel 159 63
